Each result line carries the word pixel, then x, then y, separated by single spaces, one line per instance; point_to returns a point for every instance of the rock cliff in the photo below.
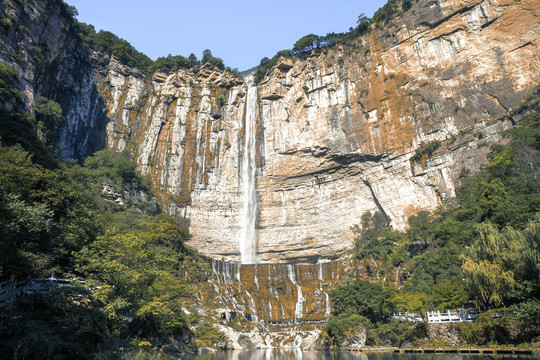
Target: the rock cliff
pixel 339 131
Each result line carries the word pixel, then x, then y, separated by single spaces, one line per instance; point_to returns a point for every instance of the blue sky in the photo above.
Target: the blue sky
pixel 238 31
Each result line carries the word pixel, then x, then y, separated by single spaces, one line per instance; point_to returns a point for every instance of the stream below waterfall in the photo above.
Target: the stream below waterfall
pixel 297 354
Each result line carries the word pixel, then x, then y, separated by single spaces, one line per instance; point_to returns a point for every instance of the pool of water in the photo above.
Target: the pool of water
pixel 296 354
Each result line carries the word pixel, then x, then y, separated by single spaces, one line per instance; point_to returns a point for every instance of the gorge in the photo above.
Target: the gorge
pixel 269 175
pixel 335 129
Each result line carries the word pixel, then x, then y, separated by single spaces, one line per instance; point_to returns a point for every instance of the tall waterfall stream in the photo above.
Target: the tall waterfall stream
pixel 248 235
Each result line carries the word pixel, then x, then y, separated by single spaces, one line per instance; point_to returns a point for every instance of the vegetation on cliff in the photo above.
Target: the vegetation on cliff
pixel 484 249
pixel 303 46
pixel 54 220
pixel 107 42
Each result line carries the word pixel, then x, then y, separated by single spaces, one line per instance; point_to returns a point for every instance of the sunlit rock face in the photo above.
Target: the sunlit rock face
pixel 277 294
pixel 287 303
pixel 335 131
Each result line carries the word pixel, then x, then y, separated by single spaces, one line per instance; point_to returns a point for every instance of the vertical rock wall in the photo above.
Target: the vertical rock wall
pixel 336 129
pixel 277 294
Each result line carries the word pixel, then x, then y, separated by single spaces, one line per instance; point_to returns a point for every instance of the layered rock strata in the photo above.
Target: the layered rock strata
pixel 283 304
pixel 339 131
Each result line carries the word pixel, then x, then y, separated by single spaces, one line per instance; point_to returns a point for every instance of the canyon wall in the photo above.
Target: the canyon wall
pixel 339 131
pixel 285 304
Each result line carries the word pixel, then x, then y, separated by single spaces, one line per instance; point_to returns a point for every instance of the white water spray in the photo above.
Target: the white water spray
pixel 248 236
pixel 328 310
pixel 298 311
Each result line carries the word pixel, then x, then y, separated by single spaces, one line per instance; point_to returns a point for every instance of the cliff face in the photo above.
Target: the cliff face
pixel 52 62
pixel 336 131
pixel 285 303
pixel 340 127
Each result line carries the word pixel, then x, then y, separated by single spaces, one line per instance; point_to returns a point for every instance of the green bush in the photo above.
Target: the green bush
pixel 5 22
pixel 397 332
pixel 425 150
pixel 18 129
pixel 48 116
pixel 117 167
pixel 336 329
pixel 386 13
pixel 8 77
pixel 23 29
pixel 208 336
pixel 366 299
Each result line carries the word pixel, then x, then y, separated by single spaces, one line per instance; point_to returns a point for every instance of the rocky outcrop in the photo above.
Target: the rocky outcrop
pixel 132 198
pixel 355 340
pixel 337 129
pixel 447 334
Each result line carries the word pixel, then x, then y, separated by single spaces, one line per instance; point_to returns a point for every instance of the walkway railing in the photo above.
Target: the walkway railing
pixel 12 288
pixel 459 315
pixel 407 316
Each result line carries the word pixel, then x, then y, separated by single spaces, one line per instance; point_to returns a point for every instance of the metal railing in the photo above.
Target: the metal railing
pixel 12 288
pixel 407 316
pixel 459 315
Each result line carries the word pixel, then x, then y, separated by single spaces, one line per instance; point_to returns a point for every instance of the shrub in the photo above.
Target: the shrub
pixel 363 298
pixel 339 327
pixel 118 167
pixel 208 336
pixel 23 29
pixel 396 333
pixel 5 22
pixel 425 150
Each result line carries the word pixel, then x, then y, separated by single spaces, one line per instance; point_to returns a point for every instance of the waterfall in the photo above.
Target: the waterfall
pixel 298 311
pixel 297 341
pixel 238 272
pixel 327 302
pixel 281 300
pixel 251 306
pixel 248 236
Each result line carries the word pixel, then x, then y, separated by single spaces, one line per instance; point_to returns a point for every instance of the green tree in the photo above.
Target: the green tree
pixel 306 43
pixel 143 272
pixel 502 265
pixel 48 116
pixel 362 23
pixel 421 228
pixel 363 298
pixel 193 59
pixel 411 302
pixel 8 79
pixel 62 198
pixel 449 294
pixel 118 167
pixel 206 56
